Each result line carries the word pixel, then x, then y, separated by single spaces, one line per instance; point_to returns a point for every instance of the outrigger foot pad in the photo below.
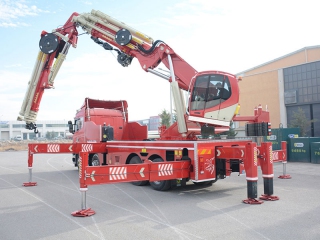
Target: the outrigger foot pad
pixel 269 197
pixel 29 184
pixel 83 213
pixel 285 176
pixel 252 201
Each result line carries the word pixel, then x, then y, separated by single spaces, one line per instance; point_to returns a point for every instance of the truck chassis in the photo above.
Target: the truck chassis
pixel 169 164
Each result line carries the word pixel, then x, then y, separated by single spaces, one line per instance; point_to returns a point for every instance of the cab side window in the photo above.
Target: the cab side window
pixel 79 123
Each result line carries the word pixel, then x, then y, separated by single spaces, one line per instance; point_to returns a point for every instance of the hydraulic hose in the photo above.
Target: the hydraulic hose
pixel 149 51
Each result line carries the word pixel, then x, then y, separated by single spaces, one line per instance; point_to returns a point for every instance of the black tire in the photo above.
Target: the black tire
pixel 76 158
pixel 94 160
pixel 137 160
pixel 160 185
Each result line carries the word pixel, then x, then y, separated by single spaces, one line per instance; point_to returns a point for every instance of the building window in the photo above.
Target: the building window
pixel 18 125
pixel 4 125
pixel 79 123
pixel 56 125
pixel 302 83
pixel 290 96
pixel 302 90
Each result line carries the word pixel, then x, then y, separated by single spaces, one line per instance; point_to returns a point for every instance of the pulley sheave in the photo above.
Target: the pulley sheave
pixel 49 43
pixel 123 37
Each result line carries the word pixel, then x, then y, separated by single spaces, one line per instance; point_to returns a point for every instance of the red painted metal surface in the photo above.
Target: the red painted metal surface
pixel 201 166
pixel 266 164
pixel 252 201
pixel 83 213
pixel 266 159
pixel 95 175
pixel 29 184
pixel 235 152
pixel 267 197
pixel 251 162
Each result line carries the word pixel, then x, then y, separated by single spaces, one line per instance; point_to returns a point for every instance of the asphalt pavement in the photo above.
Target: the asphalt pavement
pixel 124 211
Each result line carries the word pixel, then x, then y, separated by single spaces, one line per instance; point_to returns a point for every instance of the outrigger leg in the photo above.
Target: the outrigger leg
pixel 82 164
pixel 251 167
pixel 30 162
pixel 266 164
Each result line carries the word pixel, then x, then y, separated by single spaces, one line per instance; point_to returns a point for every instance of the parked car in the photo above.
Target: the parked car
pixel 18 138
pixel 58 138
pixel 40 139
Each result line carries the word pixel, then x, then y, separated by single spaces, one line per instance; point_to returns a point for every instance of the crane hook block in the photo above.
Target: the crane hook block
pixel 123 37
pixel 124 59
pixel 48 43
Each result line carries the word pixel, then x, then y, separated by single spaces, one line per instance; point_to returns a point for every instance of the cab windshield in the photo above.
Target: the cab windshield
pixel 209 91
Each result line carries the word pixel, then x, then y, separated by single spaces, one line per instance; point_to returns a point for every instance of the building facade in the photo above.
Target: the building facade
pixel 284 85
pixel 11 129
pixel 153 123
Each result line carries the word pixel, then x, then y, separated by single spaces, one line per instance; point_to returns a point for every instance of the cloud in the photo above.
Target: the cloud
pixel 12 90
pixel 87 3
pixel 10 11
pixel 233 36
pixel 100 76
pixel 14 65
pixel 13 81
pixel 97 76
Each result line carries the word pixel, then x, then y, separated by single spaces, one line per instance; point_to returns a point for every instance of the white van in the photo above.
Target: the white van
pixel 18 138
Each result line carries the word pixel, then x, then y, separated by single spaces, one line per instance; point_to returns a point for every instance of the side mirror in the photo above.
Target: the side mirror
pixel 71 130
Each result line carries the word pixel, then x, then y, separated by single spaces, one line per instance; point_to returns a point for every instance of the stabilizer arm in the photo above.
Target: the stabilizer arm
pixel 131 43
pixel 111 34
pixel 53 50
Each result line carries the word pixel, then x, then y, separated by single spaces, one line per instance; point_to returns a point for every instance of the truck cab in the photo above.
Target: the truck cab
pixel 101 121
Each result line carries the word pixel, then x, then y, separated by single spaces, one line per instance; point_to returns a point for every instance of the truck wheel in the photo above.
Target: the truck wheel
pixel 75 159
pixel 94 160
pixel 137 160
pixel 160 185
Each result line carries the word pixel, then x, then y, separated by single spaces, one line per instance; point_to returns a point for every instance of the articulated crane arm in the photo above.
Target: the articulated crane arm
pixel 213 95
pixel 53 50
pixel 104 31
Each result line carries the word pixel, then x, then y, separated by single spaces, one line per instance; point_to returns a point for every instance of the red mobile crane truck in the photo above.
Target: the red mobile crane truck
pixel 101 121
pixel 212 105
pixel 127 143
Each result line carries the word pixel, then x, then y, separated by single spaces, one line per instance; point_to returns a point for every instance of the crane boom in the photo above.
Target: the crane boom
pixel 129 43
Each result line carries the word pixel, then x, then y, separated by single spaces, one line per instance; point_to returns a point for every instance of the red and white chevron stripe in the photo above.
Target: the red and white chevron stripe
pixel 53 148
pixel 275 156
pixel 80 166
pixel 165 169
pixel 117 173
pixel 87 147
pixel 255 158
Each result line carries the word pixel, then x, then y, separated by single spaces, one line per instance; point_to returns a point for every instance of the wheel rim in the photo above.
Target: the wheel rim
pixel 137 160
pixel 95 161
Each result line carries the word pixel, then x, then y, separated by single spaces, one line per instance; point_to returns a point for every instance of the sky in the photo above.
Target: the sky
pixel 230 36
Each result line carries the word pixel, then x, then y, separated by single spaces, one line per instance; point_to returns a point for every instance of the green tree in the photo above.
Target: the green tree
pixel 174 116
pixel 231 133
pixel 165 117
pixel 299 120
pixel 50 135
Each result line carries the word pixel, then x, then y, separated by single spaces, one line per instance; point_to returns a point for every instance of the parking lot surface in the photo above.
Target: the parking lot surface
pixel 124 211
